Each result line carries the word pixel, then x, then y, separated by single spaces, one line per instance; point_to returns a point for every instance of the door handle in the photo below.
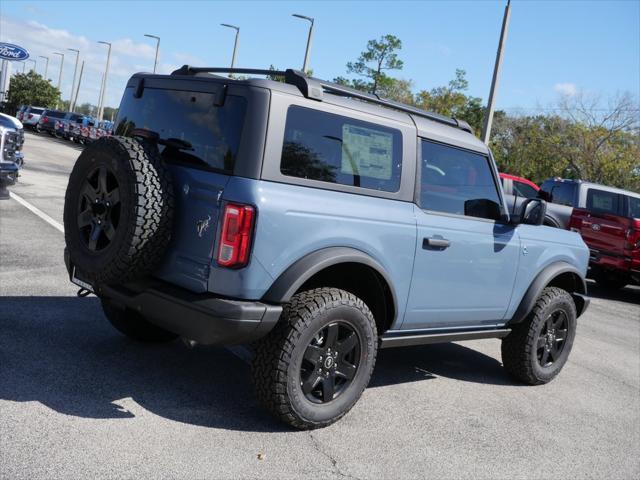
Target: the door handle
pixel 435 243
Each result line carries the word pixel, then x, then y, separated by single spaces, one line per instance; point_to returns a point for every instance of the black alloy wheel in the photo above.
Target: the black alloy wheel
pixel 552 338
pixel 330 362
pixel 99 209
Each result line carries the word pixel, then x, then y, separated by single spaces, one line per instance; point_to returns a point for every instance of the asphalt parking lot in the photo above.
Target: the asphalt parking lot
pixel 78 400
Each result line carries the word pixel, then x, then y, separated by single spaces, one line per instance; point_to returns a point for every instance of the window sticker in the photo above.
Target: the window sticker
pixel 366 152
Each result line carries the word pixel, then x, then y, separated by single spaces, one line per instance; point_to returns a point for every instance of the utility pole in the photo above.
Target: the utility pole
pixel 155 63
pixel 73 84
pixel 235 44
pixel 305 65
pixel 75 98
pixel 488 118
pixel 60 74
pixel 46 67
pixel 104 82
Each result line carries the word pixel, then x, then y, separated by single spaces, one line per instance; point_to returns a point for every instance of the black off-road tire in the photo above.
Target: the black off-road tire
pixel 135 326
pixel 144 216
pixel 520 348
pixel 278 357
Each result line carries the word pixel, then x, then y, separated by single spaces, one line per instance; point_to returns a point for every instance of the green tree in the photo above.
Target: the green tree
pixel 379 56
pixel 452 101
pixel 31 89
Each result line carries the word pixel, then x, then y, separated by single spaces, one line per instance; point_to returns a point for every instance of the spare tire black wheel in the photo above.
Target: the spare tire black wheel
pixel 118 210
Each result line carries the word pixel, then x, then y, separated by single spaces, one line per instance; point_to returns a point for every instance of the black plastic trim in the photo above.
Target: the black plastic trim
pixel 408 339
pixel 544 278
pixel 302 270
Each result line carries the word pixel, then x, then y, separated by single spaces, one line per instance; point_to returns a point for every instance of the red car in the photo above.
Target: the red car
pixel 522 187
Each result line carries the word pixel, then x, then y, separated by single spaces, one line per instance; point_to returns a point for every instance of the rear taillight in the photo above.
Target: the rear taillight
pixel 236 235
pixel 45 119
pixel 633 237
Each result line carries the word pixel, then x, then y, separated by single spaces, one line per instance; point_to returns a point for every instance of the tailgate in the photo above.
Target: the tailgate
pixel 188 259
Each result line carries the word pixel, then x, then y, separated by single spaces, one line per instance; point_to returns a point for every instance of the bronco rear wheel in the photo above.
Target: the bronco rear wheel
pixel 313 367
pixel 118 211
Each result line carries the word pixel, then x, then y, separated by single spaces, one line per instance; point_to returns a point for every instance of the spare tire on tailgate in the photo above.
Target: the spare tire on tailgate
pixel 118 210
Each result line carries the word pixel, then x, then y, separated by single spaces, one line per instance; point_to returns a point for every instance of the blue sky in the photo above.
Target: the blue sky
pixel 553 46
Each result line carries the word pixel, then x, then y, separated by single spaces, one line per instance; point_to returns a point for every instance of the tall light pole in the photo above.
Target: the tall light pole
pixel 235 44
pixel 155 63
pixel 305 66
pixel 488 118
pixel 73 84
pixel 46 66
pixel 75 98
pixel 104 82
pixel 34 64
pixel 60 74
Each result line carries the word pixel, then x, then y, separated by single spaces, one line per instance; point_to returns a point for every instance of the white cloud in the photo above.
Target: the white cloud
pixel 127 58
pixel 568 89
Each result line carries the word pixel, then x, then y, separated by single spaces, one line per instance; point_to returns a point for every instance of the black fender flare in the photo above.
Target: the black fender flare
pixel 544 278
pixel 288 283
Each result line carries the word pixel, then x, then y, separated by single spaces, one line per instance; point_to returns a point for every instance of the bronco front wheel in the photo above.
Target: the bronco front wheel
pixel 537 348
pixel 313 367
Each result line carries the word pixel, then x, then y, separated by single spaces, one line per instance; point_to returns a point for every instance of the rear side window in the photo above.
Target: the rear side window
pixel 603 202
pixel 457 181
pixel 524 190
pixel 336 149
pixel 634 207
pixel 188 126
pixel 563 193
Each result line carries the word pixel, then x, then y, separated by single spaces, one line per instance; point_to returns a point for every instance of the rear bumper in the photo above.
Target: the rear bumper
pixel 622 263
pixel 202 317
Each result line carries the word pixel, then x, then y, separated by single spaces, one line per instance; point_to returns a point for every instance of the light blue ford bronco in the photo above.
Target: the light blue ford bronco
pixel 316 224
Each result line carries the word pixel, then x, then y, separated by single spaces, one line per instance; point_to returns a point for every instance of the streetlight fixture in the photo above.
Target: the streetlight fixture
pixel 60 74
pixel 155 63
pixel 235 44
pixel 46 66
pixel 73 84
pixel 305 66
pixel 104 81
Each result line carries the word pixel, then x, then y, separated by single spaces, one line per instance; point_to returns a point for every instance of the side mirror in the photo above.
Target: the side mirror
pixel 532 212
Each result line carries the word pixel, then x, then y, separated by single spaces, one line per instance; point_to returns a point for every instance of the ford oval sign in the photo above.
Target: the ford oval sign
pixel 9 51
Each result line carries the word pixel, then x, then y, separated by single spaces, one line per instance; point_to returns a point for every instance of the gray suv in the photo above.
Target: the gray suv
pixel 316 224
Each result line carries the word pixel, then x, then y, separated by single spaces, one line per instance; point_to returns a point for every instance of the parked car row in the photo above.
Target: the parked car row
pixel 68 125
pixel 607 218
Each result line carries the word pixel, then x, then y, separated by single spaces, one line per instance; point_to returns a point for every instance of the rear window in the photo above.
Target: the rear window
pixel 634 207
pixel 524 190
pixel 54 114
pixel 603 202
pixel 336 149
pixel 37 111
pixel 563 193
pixel 188 126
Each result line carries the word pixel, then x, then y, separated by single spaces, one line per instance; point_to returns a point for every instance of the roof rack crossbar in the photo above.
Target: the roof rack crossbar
pixel 189 70
pixel 313 88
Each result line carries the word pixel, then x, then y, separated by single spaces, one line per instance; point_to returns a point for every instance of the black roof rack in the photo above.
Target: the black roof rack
pixel 313 88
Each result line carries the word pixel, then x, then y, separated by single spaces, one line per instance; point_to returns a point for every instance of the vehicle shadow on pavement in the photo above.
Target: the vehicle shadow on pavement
pixel 425 362
pixel 629 294
pixel 63 353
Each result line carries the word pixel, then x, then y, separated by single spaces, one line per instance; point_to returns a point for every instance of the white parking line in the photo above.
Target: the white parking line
pixel 37 211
